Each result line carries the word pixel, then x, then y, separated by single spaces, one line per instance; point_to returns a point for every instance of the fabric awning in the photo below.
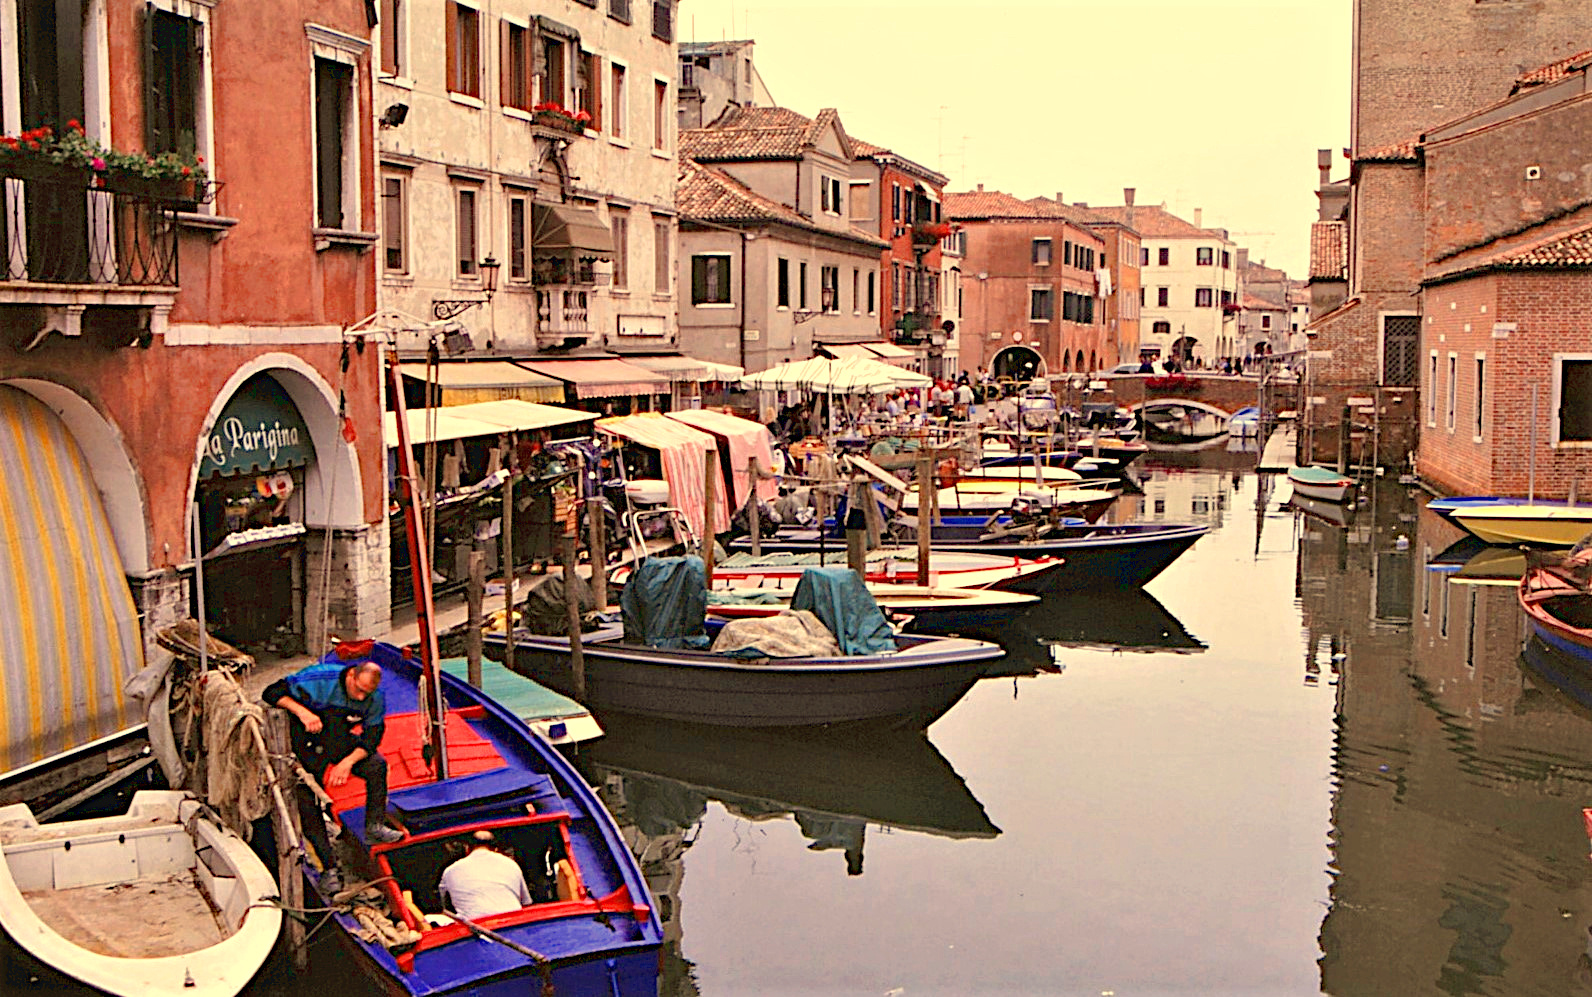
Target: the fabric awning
pixel 464 382
pixel 461 422
pixel 851 376
pixel 565 226
pixel 681 368
pixel 603 378
pixel 681 449
pixel 746 439
pixel 889 351
pixel 848 351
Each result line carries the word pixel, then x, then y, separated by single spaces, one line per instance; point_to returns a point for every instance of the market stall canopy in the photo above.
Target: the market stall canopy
pixel 682 449
pixel 565 226
pixel 746 439
pixel 467 381
pixel 459 422
pixel 889 352
pixel 600 378
pixel 850 376
pixel 681 368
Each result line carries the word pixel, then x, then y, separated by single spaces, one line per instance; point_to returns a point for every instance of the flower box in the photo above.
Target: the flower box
pixel 173 190
pixel 45 171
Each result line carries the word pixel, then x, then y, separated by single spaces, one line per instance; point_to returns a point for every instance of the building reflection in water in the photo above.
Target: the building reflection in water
pixel 657 777
pixel 1460 770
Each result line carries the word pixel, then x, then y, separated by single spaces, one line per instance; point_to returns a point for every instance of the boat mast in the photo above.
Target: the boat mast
pixel 420 569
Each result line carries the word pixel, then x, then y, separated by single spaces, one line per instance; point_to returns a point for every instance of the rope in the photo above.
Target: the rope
pixel 331 493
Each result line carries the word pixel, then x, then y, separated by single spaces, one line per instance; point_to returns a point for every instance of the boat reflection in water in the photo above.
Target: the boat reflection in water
pixel 657 777
pixel 1559 674
pixel 1115 620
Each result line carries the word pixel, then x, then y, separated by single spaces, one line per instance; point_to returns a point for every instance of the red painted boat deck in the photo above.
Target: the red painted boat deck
pixel 468 753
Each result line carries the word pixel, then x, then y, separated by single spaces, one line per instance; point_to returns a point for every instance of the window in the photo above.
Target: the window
pixel 1144 256
pixel 334 144
pixel 782 270
pixel 1204 256
pixel 1573 404
pixel 516 77
pixel 856 292
pixel 1481 394
pixel 1227 297
pixel 1227 260
pixel 1141 295
pixel 1401 343
pixel 829 190
pixel 871 307
pixel 660 114
pixel 392 38
pixel 588 95
pixel 464 49
pixel 801 286
pixel 518 268
pixel 1430 390
pixel 1066 253
pixel 465 230
pixel 661 237
pixel 394 225
pixel 1040 304
pixel 829 288
pixel 172 90
pixel 617 102
pixel 1164 256
pixel 1163 297
pixel 663 20
pixel 895 202
pixel 710 280
pixel 619 226
pixel 1265 321
pixel 895 286
pixel 1453 390
pixel 1202 297
pixel 859 201
pixel 554 75
pixel 1162 328
pixel 619 10
pixel 1039 253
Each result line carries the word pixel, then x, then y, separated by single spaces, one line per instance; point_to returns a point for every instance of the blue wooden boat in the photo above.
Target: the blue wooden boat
pixel 1453 505
pixel 593 927
pixel 1120 555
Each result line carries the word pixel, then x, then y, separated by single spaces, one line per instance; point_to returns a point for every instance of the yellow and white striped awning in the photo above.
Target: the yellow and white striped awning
pixel 70 636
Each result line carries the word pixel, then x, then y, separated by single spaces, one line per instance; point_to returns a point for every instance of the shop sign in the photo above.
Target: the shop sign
pixel 259 430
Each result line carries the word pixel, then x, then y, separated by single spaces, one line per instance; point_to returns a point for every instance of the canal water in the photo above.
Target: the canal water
pixel 1309 758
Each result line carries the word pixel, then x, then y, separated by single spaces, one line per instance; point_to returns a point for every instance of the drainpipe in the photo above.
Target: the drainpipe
pixel 741 343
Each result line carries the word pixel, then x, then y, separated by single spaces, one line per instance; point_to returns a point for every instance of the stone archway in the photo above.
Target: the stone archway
pixel 1018 363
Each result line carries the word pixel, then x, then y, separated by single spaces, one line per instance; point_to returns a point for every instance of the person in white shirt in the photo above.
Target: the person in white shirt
pixel 964 399
pixel 484 882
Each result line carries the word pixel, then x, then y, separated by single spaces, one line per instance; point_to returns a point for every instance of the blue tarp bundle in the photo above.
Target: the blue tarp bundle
pixel 840 598
pixel 665 601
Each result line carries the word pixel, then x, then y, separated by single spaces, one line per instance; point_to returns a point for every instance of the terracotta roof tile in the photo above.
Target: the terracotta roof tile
pixel 866 149
pixel 707 194
pixel 743 133
pixel 1254 303
pixel 975 204
pixel 1571 249
pixel 1553 71
pixel 1153 221
pixel 1327 251
pixel 1399 152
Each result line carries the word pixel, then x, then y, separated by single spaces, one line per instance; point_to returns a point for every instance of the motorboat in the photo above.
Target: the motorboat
pixel 162 899
pixel 550 714
pixel 659 661
pixel 1178 422
pixel 1521 522
pixel 887 565
pixel 1321 483
pixel 926 609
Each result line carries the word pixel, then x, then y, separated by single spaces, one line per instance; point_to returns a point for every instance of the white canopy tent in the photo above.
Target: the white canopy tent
pixel 851 376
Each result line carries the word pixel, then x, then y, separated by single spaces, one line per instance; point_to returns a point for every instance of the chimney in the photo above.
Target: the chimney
pixel 1127 199
pixel 1058 198
pixel 1199 217
pixel 1243 259
pixel 1324 164
pixel 981 188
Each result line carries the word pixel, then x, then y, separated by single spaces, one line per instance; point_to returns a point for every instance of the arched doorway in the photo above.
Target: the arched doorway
pixel 1183 348
pixel 1017 363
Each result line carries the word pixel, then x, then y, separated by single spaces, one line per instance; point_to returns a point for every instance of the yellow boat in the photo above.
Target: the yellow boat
pixel 1527 523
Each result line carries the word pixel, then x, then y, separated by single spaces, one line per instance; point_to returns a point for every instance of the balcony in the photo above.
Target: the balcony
pixel 563 314
pixel 60 229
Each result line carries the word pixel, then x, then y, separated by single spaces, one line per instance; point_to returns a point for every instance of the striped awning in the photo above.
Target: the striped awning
pixel 463 382
pixel 71 639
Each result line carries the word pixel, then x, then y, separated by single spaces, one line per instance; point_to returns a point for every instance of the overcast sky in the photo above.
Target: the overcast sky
pixel 1198 105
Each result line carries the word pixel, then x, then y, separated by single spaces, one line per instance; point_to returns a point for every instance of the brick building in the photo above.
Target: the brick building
pixel 1030 288
pixel 1367 242
pixel 173 367
pixel 1119 285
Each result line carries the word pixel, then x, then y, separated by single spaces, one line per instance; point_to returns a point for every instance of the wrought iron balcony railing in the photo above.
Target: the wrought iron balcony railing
pixel 62 230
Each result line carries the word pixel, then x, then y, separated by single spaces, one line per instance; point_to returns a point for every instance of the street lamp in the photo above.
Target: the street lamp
pixel 826 301
pixel 444 309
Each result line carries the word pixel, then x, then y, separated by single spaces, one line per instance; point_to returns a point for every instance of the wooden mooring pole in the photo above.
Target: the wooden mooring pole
pixel 474 597
pixel 577 652
pixel 710 492
pixel 285 824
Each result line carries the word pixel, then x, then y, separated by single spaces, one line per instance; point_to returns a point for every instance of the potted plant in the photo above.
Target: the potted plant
pixel 71 156
pixel 552 115
pixel 928 233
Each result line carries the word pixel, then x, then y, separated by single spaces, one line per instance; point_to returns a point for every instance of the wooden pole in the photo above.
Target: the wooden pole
pixel 597 523
pixel 856 532
pixel 710 493
pixel 753 518
pixel 474 597
pixel 506 541
pixel 284 820
pixel 577 652
pixel 927 493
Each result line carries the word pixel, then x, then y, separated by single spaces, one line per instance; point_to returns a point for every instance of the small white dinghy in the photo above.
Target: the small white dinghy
pixel 159 900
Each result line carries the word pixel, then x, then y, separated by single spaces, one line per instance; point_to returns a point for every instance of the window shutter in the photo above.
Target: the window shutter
pixel 154 132
pixel 506 92
pixel 699 279
pixel 451 29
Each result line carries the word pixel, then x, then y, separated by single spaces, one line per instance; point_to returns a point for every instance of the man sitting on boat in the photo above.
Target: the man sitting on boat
pixel 341 717
pixel 484 882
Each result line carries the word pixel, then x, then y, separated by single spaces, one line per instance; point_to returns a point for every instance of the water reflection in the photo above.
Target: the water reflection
pixel 1132 620
pixel 1460 767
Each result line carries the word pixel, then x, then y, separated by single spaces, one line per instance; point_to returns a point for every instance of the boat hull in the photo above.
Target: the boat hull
pixel 66 870
pixel 1542 525
pixel 912 687
pixel 1323 487
pixel 932 610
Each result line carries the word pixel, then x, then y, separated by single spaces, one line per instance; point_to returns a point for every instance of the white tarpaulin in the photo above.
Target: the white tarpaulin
pixel 852 376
